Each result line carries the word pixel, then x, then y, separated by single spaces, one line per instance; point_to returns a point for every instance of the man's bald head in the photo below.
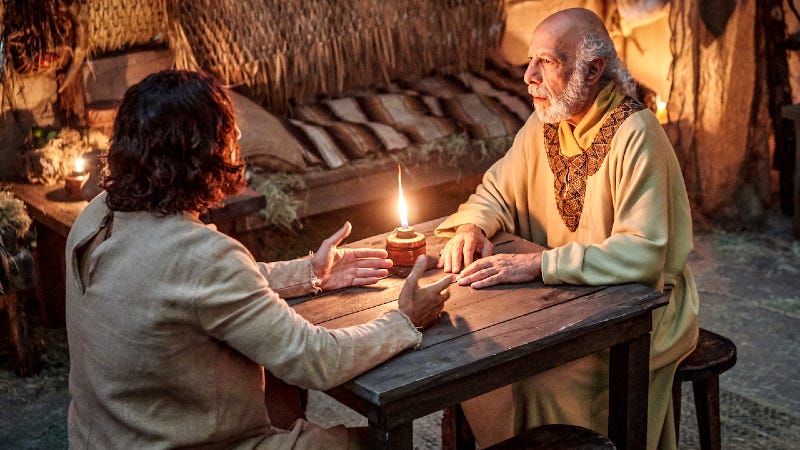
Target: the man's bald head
pixel 572 26
pixel 572 59
pixel 580 20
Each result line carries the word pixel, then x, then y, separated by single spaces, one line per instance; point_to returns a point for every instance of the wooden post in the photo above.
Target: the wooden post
pixel 792 112
pixel 25 357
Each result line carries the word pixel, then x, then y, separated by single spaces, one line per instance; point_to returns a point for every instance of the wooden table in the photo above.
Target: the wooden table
pixel 491 337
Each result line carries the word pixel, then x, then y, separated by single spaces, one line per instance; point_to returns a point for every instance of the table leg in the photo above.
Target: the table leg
pixel 456 433
pixel 628 383
pixel 399 437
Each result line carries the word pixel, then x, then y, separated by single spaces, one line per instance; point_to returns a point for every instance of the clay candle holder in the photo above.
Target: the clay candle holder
pixel 404 245
pixel 74 182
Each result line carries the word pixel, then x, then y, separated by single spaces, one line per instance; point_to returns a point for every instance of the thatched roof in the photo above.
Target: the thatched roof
pixel 276 52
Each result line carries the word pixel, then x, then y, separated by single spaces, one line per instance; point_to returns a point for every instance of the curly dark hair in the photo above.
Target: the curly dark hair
pixel 174 146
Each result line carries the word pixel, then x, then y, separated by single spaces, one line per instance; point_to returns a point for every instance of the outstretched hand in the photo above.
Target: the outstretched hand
pixel 423 304
pixel 344 267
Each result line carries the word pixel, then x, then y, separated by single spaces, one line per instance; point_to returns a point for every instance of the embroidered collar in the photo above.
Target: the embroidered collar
pixel 570 172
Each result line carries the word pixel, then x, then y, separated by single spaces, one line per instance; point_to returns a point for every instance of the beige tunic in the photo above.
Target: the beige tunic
pixel 635 226
pixel 169 332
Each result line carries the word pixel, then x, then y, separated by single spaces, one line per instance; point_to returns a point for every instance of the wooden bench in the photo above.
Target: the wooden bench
pixel 713 355
pixel 556 437
pixel 456 434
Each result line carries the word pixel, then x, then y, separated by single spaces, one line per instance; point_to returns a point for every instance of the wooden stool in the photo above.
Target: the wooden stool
pixel 713 355
pixel 556 437
pixel 456 434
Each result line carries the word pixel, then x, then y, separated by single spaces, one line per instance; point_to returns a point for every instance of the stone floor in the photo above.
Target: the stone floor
pixel 750 292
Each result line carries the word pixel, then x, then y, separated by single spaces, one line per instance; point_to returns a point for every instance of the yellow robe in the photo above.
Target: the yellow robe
pixel 635 226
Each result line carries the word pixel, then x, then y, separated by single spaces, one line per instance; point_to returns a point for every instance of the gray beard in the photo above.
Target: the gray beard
pixel 566 105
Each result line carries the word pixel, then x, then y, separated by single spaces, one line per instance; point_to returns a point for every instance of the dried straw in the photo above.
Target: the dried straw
pixel 115 25
pixel 276 52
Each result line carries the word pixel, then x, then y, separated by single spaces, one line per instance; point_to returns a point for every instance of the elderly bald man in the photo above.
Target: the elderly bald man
pixel 592 177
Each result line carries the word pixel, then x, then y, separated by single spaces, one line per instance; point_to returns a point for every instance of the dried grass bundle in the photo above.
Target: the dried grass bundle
pixel 278 51
pixel 115 25
pixel 13 216
pixel 36 35
pixel 49 163
pixel 277 188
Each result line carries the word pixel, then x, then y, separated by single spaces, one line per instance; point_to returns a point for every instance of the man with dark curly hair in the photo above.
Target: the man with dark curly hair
pixel 170 323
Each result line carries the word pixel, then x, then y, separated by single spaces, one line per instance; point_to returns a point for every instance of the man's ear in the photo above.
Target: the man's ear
pixel 596 68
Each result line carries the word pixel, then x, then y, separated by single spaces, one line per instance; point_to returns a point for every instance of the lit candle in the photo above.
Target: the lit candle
pixel 404 245
pixel 78 169
pixel 74 182
pixel 661 110
pixel 403 231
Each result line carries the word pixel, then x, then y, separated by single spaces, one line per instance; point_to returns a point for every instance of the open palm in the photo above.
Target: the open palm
pixel 344 267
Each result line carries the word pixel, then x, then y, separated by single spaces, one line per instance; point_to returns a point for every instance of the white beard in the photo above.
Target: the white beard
pixel 562 106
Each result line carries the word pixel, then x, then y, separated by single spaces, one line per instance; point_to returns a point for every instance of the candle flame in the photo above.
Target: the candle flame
pixel 661 110
pixel 401 201
pixel 79 164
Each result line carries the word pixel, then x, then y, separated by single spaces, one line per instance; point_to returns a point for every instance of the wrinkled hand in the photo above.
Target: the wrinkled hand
pixel 340 268
pixel 502 268
pixel 460 249
pixel 423 305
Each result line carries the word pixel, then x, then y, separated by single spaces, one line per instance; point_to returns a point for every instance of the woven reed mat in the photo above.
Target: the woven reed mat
pixel 119 24
pixel 274 52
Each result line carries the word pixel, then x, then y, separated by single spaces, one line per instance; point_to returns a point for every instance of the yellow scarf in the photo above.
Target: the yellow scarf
pixel 575 141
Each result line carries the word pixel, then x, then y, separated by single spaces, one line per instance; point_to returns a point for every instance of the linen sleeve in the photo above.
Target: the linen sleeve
pixel 237 306
pixel 292 278
pixel 636 247
pixel 493 205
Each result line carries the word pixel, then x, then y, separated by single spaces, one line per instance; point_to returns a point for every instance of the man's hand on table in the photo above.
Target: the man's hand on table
pixel 502 268
pixel 423 305
pixel 344 267
pixel 460 250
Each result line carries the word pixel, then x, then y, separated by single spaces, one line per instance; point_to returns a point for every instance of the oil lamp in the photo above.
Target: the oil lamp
pixel 404 245
pixel 74 181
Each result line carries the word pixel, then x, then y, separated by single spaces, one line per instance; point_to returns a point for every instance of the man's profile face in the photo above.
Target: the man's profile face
pixel 557 89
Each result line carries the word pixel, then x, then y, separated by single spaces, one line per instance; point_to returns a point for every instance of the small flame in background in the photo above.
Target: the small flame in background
pixel 401 201
pixel 79 165
pixel 661 110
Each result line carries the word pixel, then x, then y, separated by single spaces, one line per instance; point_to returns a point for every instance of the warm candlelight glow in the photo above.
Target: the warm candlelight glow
pixel 661 110
pixel 401 201
pixel 74 182
pixel 405 244
pixel 78 166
